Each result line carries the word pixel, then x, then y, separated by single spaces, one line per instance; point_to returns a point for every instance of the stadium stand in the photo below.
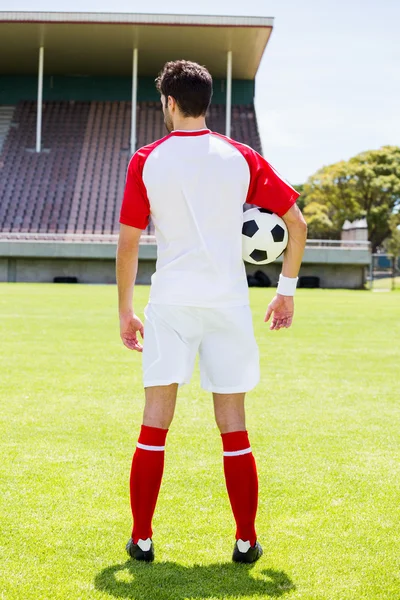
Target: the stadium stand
pixel 68 85
pixel 6 115
pixel 76 183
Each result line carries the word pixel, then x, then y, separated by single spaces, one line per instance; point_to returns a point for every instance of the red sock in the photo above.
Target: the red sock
pixel 241 482
pixel 146 474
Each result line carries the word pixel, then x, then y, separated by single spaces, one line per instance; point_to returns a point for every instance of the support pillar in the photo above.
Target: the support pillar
pixel 39 101
pixel 134 98
pixel 228 93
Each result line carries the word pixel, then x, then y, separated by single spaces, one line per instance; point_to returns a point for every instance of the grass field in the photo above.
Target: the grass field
pixel 386 283
pixel 324 425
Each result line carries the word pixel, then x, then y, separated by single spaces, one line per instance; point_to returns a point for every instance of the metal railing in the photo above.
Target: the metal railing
pixel 59 237
pixel 146 238
pixel 345 244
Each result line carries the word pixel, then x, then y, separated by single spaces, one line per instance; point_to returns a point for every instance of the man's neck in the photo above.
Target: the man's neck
pixel 190 124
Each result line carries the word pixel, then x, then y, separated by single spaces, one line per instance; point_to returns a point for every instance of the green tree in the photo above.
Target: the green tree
pixel 302 199
pixel 367 185
pixel 392 243
pixel 319 222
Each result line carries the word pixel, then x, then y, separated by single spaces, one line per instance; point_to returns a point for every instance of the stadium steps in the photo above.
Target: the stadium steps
pixel 36 188
pixel 102 169
pixel 243 123
pixel 6 118
pixel 75 185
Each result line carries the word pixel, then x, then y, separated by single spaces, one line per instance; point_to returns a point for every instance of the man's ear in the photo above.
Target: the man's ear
pixel 171 103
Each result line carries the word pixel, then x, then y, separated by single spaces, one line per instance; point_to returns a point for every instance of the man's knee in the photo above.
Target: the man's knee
pixel 160 405
pixel 227 425
pixel 229 412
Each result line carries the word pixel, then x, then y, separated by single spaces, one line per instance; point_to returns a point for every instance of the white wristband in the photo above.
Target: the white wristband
pixel 286 285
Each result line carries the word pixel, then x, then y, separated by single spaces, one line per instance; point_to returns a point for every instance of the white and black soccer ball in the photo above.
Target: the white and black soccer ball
pixel 264 236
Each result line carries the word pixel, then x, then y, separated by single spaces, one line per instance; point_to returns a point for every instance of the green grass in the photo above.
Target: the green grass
pixel 386 283
pixel 324 426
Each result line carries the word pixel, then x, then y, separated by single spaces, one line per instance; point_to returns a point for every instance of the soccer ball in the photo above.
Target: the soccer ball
pixel 264 236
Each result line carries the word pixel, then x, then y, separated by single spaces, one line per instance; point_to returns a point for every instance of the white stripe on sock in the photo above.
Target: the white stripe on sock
pixel 152 448
pixel 238 452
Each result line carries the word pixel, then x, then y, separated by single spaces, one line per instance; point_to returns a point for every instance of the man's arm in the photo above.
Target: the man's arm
pixel 126 270
pixel 297 230
pixel 282 306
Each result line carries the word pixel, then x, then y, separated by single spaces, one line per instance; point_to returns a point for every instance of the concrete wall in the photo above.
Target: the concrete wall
pixel 95 263
pixel 4 269
pixel 330 275
pixel 43 270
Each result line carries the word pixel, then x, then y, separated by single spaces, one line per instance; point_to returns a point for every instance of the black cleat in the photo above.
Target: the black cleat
pixel 249 556
pixel 136 552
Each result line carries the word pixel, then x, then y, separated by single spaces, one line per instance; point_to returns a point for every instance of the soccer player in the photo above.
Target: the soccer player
pixel 193 184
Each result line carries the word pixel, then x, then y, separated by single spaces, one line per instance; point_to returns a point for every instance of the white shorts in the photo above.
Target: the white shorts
pixel 224 338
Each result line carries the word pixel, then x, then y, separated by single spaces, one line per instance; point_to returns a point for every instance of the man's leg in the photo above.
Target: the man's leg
pixel 148 460
pixel 239 467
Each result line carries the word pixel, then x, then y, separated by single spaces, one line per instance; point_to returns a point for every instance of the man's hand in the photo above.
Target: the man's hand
pixel 282 308
pixel 129 325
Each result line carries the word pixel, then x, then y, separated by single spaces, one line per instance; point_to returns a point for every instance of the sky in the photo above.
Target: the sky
pixel 328 86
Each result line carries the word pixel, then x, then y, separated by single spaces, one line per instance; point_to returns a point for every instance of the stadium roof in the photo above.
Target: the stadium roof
pixel 102 43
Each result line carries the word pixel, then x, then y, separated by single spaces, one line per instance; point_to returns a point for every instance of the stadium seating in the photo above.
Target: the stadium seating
pixel 6 115
pixel 75 185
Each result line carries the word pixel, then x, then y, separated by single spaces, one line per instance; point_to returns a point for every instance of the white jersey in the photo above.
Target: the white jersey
pixel 193 185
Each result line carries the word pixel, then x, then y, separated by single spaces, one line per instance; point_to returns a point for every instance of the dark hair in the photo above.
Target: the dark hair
pixel 189 84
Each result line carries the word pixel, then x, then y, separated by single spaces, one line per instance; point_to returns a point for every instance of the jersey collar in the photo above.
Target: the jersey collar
pixel 190 132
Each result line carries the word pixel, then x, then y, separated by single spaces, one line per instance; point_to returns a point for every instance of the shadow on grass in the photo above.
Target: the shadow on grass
pixel 170 581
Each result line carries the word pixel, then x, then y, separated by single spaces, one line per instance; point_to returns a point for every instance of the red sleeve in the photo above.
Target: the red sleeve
pixel 267 189
pixel 135 209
